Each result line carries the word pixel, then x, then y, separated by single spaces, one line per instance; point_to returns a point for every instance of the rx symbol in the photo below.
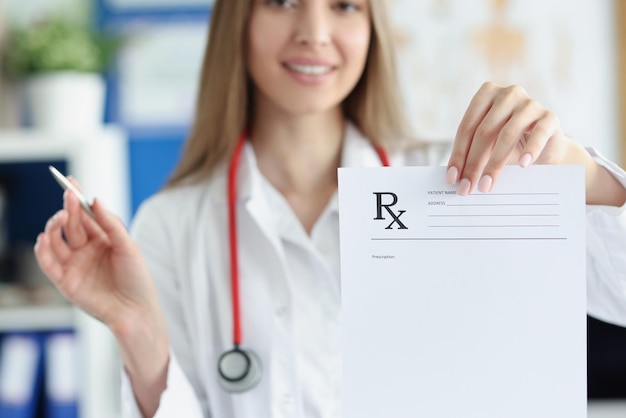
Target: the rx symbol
pixel 387 206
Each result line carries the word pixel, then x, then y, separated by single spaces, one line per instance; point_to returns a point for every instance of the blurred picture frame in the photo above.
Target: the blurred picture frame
pixel 153 86
pixel 120 9
pixel 157 75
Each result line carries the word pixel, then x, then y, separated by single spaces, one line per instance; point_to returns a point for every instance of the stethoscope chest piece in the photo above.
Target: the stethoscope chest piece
pixel 239 370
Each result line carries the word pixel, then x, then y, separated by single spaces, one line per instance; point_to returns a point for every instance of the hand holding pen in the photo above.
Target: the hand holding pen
pixel 89 255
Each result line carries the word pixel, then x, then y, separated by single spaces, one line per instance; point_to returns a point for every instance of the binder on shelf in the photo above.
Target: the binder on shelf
pixel 61 372
pixel 21 370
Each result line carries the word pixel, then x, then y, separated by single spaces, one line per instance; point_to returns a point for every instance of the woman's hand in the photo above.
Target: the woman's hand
pixel 502 125
pixel 97 266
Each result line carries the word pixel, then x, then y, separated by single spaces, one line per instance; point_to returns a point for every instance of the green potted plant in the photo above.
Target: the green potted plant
pixel 59 63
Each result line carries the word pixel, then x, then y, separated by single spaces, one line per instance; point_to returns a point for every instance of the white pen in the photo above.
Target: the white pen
pixel 66 184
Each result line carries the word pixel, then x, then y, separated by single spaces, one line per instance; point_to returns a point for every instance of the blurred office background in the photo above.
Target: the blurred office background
pixel 125 135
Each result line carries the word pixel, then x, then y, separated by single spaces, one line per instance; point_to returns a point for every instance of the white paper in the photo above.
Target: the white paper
pixel 477 308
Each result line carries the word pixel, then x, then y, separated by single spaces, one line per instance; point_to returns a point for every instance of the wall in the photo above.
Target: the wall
pixel 562 53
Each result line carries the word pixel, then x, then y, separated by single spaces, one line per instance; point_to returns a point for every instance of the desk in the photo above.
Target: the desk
pixel 606 409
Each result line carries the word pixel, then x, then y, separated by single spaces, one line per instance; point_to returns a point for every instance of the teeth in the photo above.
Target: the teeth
pixel 310 69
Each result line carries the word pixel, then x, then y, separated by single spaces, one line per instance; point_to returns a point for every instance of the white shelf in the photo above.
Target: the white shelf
pixel 34 145
pixel 606 409
pixel 99 161
pixel 37 318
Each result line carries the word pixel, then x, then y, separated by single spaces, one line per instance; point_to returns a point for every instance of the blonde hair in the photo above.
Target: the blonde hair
pixel 224 106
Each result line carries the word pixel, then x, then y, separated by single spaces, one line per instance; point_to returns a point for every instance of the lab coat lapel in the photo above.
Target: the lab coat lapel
pixel 256 207
pixel 254 202
pixel 358 151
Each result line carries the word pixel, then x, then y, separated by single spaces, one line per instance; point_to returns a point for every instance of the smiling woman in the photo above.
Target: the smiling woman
pixel 373 105
pixel 306 57
pixel 239 254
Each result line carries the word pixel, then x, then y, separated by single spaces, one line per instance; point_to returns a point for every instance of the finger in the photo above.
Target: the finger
pixel 77 185
pixel 54 220
pixel 485 139
pixel 480 104
pixel 46 259
pixel 509 138
pixel 112 226
pixel 92 228
pixel 74 230
pixel 54 230
pixel 545 128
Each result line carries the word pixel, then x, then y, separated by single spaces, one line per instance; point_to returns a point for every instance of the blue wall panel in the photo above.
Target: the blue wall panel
pixel 153 150
pixel 152 161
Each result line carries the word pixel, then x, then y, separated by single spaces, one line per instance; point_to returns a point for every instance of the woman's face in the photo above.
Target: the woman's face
pixel 305 56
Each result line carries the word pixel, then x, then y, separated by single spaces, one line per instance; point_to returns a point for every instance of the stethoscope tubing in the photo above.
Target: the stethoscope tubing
pixel 253 365
pixel 232 237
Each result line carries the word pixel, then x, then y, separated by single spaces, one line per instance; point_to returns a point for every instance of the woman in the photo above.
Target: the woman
pixel 311 80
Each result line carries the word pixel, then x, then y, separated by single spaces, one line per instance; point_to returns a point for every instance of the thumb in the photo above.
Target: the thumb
pixel 111 224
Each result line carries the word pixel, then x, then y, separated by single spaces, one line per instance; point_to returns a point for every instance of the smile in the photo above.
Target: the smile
pixel 310 69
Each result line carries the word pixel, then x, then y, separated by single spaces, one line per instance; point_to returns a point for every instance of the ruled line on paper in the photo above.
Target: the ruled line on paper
pixel 494 226
pixel 483 216
pixel 502 204
pixel 494 215
pixel 474 239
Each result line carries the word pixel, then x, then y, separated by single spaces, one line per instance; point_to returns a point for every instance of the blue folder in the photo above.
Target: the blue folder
pixel 61 375
pixel 21 373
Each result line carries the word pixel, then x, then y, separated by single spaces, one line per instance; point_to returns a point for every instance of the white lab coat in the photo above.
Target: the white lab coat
pixel 290 294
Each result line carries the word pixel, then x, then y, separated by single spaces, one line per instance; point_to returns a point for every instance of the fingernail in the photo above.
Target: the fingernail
pixel 452 175
pixel 525 160
pixel 484 185
pixel 463 188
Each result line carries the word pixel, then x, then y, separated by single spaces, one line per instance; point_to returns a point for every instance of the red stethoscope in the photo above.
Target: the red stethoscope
pixel 239 369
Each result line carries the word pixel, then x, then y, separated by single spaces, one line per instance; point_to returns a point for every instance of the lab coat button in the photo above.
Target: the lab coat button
pixel 281 312
pixel 287 399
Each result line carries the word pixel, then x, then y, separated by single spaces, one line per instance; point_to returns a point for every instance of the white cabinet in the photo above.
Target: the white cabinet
pixel 99 161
